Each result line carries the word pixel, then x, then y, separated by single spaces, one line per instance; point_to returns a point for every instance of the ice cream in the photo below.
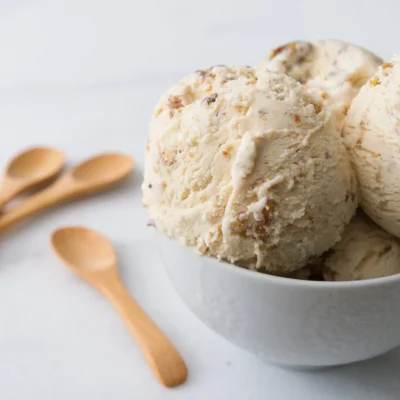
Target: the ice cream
pixel 372 134
pixel 311 272
pixel 334 69
pixel 365 251
pixel 243 165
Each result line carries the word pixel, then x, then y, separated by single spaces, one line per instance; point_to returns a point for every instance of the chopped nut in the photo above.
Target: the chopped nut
pixel 188 95
pixel 175 102
pixel 324 95
pixel 346 109
pixel 260 229
pixel 208 88
pixel 291 46
pixel 158 112
pixel 375 81
pixel 318 108
pixel 385 68
pixel 297 119
pixel 221 104
pixel 262 112
pixel 356 79
pixel 238 227
pixel 211 99
pixel 251 82
pixel 387 65
pixel 242 109
pixel 227 150
pixel 167 158
pixel 206 73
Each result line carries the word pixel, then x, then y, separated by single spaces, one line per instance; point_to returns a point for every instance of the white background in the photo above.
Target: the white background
pixel 83 75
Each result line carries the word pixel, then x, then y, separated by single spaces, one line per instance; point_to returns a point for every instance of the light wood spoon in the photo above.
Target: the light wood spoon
pixel 91 256
pixel 95 174
pixel 30 170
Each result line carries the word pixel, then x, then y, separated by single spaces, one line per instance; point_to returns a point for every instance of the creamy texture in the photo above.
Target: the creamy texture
pixel 242 165
pixel 372 135
pixel 365 251
pixel 334 69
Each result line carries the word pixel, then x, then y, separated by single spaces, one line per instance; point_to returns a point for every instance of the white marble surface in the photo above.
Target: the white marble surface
pixel 83 75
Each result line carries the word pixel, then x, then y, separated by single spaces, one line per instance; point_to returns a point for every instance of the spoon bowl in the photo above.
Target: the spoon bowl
pixel 91 256
pixel 104 168
pixel 30 170
pixel 84 249
pixel 36 164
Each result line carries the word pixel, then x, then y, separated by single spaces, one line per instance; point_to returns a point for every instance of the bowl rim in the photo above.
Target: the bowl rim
pixel 284 281
pixel 303 282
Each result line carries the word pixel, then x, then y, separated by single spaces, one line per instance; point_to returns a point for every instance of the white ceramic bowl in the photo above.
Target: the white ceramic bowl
pixel 285 321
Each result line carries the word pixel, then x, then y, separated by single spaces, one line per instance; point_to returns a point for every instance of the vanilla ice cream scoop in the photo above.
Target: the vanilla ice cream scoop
pixel 242 165
pixel 334 69
pixel 365 251
pixel 372 135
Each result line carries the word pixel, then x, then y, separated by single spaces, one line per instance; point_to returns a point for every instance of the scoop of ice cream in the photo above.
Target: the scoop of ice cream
pixel 365 251
pixel 372 134
pixel 242 165
pixel 334 69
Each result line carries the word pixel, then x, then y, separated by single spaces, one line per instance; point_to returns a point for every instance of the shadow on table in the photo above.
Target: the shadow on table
pixel 377 378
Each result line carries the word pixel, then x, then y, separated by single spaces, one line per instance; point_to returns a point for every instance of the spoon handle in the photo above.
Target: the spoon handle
pixel 163 358
pixel 8 190
pixel 47 197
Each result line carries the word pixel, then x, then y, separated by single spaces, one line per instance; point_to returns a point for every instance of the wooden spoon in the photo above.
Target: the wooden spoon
pixel 95 174
pixel 91 256
pixel 29 170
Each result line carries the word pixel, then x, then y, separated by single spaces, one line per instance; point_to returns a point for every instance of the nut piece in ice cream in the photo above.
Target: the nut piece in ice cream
pixel 365 251
pixel 334 69
pixel 242 165
pixel 372 135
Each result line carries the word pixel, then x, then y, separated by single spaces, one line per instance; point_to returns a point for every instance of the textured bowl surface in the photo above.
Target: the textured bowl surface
pixel 285 321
